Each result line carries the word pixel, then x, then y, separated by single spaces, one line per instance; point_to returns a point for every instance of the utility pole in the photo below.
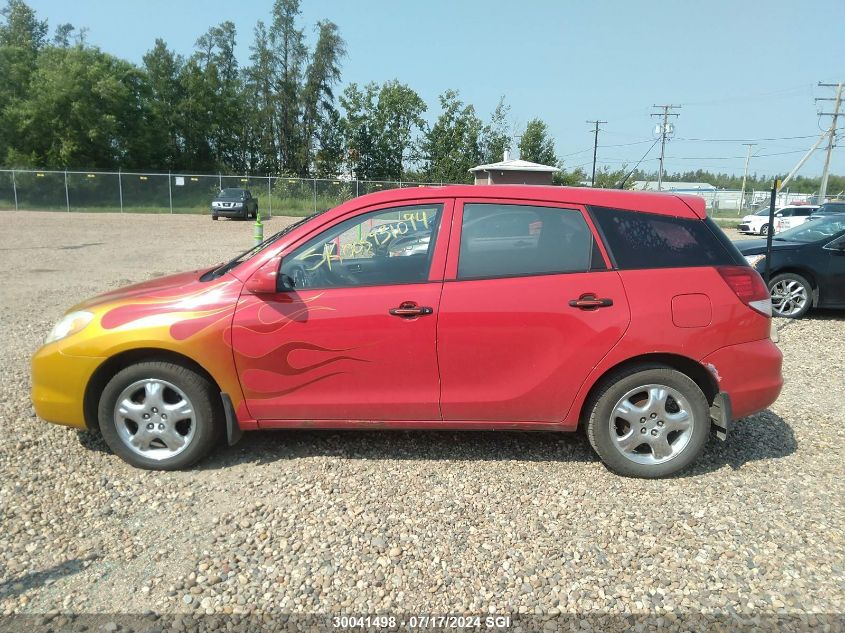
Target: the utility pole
pixel 831 134
pixel 664 131
pixel 595 149
pixel 745 177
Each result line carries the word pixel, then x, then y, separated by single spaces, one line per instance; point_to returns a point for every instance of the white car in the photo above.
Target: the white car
pixel 785 218
pixel 798 215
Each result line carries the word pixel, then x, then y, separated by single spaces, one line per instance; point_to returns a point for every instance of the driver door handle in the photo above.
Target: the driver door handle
pixel 410 310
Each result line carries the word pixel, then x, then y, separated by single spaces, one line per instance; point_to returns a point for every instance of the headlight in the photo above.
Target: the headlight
pixel 69 324
pixel 754 259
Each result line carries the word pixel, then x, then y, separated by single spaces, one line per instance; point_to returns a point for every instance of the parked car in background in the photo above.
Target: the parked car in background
pixel 793 216
pixel 234 203
pixel 758 222
pixel 807 268
pixel 499 307
pixel 828 208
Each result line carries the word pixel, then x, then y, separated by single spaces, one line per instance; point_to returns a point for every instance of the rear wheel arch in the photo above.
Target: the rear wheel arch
pixel 697 372
pixel 111 366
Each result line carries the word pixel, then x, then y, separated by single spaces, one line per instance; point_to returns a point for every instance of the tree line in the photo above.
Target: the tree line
pixel 65 104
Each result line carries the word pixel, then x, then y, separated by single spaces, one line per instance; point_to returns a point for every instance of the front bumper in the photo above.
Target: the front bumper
pixel 229 212
pixel 744 228
pixel 58 385
pixel 749 373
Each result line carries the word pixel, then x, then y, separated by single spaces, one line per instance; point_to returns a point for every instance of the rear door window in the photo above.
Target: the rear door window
pixel 507 240
pixel 647 240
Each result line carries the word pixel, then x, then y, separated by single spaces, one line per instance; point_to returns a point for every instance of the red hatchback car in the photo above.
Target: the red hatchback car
pixel 461 307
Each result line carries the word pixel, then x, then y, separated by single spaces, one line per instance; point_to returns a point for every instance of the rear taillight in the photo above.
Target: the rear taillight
pixel 749 287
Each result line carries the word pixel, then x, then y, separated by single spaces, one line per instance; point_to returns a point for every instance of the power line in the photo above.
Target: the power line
pixel 746 140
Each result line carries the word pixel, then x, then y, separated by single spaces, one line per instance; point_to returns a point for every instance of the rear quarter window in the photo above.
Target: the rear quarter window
pixel 639 240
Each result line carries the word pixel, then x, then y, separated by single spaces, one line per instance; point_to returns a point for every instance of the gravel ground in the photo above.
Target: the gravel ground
pixel 398 522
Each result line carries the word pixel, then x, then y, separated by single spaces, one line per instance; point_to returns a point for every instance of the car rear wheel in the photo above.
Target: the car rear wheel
pixel 791 295
pixel 648 422
pixel 159 416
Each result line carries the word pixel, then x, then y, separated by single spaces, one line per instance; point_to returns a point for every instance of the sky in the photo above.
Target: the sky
pixel 742 71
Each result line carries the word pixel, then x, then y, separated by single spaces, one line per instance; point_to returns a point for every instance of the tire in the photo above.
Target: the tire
pixel 214 217
pixel 764 230
pixel 677 444
pixel 792 295
pixel 144 437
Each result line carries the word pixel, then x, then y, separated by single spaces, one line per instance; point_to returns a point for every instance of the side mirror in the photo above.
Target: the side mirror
pixel 836 247
pixel 264 281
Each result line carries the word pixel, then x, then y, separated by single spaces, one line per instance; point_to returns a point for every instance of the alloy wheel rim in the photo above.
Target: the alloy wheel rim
pixel 651 424
pixel 155 419
pixel 788 297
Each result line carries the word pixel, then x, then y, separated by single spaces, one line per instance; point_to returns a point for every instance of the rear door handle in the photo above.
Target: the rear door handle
pixel 410 310
pixel 589 301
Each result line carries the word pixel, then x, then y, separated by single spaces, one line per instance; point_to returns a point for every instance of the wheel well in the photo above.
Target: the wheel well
pixel 704 378
pixel 116 363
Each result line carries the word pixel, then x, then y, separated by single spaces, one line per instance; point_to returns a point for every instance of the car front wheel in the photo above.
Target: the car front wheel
pixel 159 416
pixel 648 422
pixel 764 230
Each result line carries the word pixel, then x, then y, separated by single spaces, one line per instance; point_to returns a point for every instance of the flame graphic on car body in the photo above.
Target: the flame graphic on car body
pixel 200 323
pixel 266 356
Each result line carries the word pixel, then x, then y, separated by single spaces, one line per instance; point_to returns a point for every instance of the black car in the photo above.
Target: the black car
pixel 807 268
pixel 828 208
pixel 234 203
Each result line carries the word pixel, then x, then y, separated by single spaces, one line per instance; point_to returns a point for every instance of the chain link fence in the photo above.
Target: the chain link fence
pixel 136 192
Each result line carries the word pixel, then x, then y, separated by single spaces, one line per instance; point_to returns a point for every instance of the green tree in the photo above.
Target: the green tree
pixel 360 131
pixel 329 157
pixel 495 137
pixel 84 108
pixel 287 41
pixel 570 177
pixel 162 68
pixel 536 144
pixel 398 118
pixel 322 75
pixel 452 146
pixel 260 92
pixel 21 28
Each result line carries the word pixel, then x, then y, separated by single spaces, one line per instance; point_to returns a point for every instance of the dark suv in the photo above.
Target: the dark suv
pixel 234 203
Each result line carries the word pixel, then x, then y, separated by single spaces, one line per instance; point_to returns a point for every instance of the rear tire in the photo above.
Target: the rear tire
pixel 160 416
pixel 648 421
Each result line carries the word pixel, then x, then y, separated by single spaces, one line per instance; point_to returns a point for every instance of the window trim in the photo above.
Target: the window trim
pixel 436 263
pixel 451 272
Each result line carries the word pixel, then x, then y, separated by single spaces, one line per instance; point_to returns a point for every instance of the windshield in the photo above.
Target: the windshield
pixel 232 193
pixel 213 274
pixel 814 230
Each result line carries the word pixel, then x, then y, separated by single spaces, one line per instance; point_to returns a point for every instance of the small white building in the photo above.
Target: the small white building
pixel 513 171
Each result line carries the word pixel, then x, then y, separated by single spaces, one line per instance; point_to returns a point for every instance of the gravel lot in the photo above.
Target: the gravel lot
pixel 399 522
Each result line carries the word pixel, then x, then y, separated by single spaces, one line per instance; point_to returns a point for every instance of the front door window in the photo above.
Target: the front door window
pixel 386 247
